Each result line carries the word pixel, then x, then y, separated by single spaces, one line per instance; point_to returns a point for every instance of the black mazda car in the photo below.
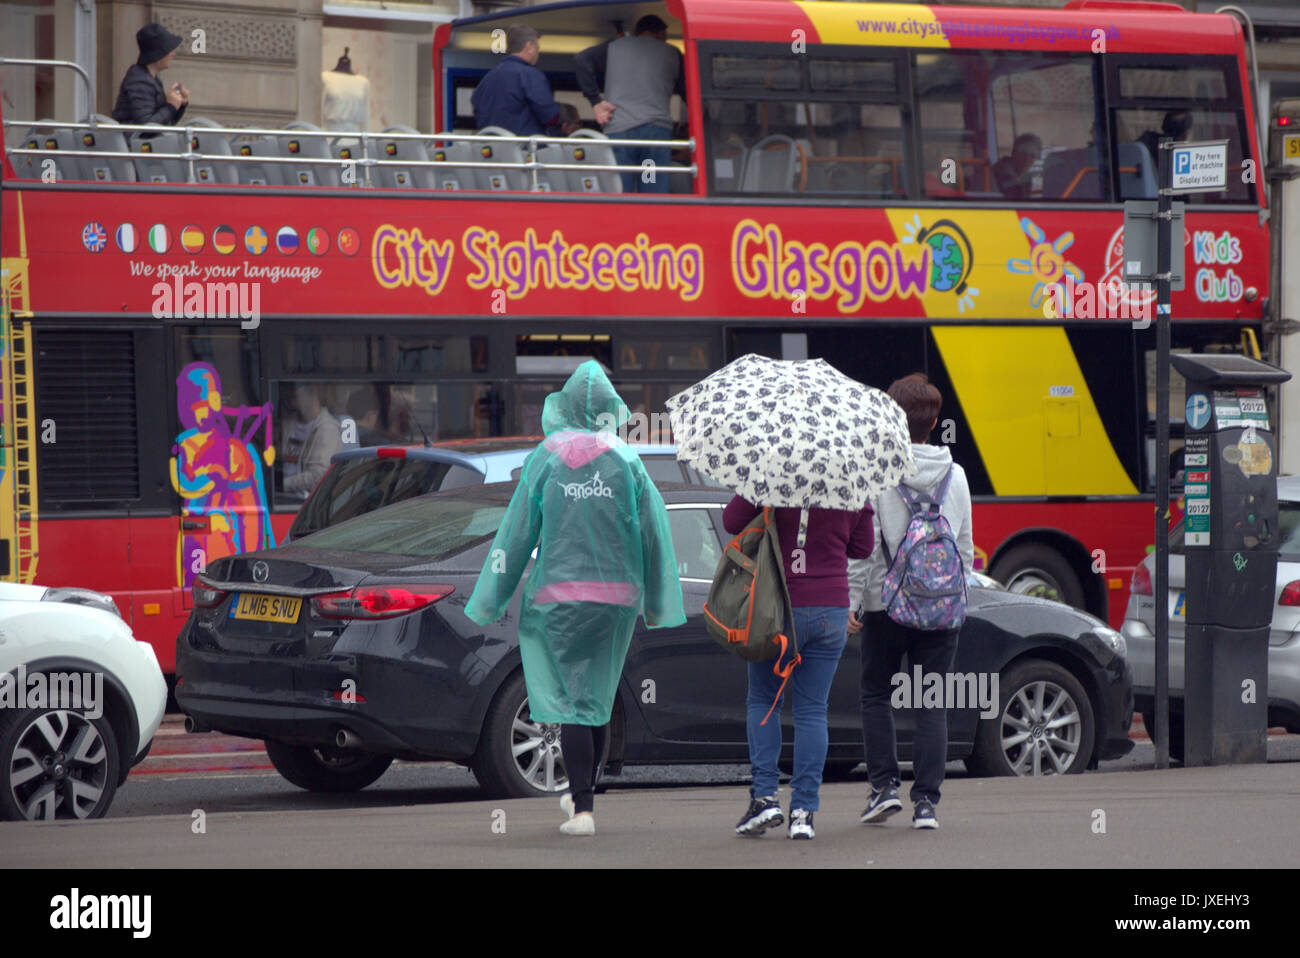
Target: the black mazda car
pixel 350 647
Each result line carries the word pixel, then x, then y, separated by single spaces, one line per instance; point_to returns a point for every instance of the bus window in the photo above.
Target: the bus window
pixel 1185 99
pixel 1008 126
pixel 820 124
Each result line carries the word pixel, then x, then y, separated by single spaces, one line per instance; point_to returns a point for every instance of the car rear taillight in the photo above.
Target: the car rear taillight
pixel 379 601
pixel 206 597
pixel 1141 584
pixel 1290 594
pixel 390 452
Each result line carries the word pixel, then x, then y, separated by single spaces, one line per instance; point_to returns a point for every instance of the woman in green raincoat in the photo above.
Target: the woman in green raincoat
pixel 605 554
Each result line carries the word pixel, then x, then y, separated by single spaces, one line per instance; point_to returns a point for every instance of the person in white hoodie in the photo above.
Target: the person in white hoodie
pixel 885 642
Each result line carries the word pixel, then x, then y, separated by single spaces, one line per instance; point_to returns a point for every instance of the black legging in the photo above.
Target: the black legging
pixel 582 747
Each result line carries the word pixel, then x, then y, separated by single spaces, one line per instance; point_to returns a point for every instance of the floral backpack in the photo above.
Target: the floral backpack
pixel 925 587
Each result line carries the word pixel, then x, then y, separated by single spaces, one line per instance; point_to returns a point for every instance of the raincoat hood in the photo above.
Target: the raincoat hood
pixel 586 402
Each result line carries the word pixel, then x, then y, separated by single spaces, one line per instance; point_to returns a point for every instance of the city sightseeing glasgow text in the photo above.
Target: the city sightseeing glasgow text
pixel 403 257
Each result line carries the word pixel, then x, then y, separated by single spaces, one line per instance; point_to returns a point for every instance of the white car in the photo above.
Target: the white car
pixel 1283 636
pixel 80 701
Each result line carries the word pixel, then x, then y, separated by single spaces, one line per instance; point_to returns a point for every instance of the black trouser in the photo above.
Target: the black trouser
pixel 884 643
pixel 582 747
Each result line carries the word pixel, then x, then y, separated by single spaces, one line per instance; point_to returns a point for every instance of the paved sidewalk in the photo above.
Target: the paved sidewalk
pixel 1181 818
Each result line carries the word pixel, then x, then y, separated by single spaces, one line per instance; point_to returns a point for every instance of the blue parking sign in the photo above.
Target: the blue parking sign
pixel 1198 411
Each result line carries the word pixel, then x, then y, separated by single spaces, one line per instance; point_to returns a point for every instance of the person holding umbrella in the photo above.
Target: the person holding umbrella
pixel 604 554
pixel 816 445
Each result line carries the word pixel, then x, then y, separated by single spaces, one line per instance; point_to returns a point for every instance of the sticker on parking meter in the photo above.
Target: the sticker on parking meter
pixel 1196 491
pixel 1256 458
pixel 1239 409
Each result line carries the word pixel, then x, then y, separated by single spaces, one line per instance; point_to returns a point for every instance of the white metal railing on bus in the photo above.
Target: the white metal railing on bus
pixel 530 144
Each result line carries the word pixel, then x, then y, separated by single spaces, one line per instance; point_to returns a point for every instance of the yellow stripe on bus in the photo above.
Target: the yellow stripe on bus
pixel 1034 419
pixel 876 24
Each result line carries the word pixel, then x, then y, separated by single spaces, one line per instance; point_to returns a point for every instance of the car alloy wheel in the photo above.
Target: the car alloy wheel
pixel 59 767
pixel 1042 729
pixel 535 749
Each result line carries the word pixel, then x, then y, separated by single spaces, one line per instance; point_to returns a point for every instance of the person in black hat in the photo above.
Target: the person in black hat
pixel 141 98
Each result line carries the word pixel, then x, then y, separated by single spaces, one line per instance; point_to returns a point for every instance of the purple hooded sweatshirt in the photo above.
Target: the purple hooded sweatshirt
pixel 834 537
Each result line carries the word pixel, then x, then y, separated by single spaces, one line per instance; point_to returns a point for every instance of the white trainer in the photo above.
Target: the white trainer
pixel 566 804
pixel 581 824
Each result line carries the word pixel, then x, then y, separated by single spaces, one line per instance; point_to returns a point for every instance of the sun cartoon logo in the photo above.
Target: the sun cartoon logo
pixel 1046 263
pixel 951 258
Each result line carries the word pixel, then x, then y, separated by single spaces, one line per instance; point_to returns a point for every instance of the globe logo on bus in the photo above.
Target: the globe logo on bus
pixel 951 258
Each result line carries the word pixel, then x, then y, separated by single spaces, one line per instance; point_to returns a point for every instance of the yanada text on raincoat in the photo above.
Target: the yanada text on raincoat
pixel 605 554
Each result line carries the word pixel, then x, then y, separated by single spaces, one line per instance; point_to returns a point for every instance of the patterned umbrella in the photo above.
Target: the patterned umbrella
pixel 792 433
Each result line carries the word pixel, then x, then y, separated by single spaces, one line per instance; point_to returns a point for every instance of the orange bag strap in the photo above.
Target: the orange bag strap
pixel 782 673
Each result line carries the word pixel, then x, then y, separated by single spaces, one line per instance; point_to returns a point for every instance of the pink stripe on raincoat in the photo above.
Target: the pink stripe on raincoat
pixel 611 593
pixel 577 449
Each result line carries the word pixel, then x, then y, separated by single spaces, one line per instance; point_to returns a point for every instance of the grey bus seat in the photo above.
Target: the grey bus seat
pixel 67 166
pixel 205 138
pixel 454 177
pixel 403 177
pixel 104 139
pixel 770 165
pixel 154 169
pixel 598 151
pixel 1137 173
pixel 496 178
pixel 252 173
pixel 552 181
pixel 289 146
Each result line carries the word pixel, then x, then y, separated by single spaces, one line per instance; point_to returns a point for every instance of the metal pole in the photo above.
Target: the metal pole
pixel 1163 255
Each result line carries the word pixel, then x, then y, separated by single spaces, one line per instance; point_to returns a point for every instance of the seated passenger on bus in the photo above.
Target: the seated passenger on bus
pixel 363 408
pixel 1020 175
pixel 515 95
pixel 324 438
pixel 141 98
pixel 1177 124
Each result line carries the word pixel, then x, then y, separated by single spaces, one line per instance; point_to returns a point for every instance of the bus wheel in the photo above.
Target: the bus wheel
pixel 1039 570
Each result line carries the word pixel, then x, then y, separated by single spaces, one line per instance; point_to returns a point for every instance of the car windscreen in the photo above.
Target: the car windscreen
pixel 355 487
pixel 433 527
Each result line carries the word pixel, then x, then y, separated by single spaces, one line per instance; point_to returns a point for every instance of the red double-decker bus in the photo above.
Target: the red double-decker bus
pixel 891 187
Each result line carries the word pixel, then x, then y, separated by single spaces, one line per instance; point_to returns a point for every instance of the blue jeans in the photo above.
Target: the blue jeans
pixel 821 632
pixel 636 155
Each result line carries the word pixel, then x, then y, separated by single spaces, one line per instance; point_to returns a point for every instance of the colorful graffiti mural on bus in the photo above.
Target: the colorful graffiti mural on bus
pixel 218 474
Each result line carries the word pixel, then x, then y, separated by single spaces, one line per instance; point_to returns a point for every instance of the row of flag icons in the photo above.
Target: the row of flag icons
pixel 225 240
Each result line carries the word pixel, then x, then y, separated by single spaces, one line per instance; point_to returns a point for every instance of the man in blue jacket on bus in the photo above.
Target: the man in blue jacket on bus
pixel 515 95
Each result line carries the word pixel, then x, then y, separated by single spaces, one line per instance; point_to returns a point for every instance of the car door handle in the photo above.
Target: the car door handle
pixel 196 525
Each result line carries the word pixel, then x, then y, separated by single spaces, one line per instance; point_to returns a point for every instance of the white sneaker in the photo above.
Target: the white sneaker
pixel 566 804
pixel 581 824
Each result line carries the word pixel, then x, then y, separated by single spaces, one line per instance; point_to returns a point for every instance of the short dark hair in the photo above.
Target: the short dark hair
pixel 569 113
pixel 649 24
pixel 920 401
pixel 518 36
pixel 1176 123
pixel 362 403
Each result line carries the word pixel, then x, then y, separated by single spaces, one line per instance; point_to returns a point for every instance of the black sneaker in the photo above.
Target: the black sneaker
pixel 884 802
pixel 763 813
pixel 923 815
pixel 801 824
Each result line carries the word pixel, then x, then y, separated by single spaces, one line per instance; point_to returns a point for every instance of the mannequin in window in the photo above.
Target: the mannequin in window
pixel 345 99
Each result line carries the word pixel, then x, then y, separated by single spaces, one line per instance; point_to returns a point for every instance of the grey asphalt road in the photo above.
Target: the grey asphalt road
pixel 1180 818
